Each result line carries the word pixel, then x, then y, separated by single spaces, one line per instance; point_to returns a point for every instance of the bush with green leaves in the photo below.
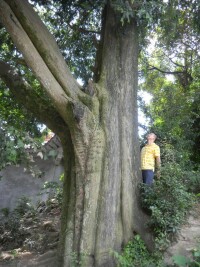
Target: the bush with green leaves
pixel 53 189
pixel 191 178
pixel 184 169
pixel 178 157
pixel 167 201
pixel 136 254
pixel 12 234
pixel 23 206
pixel 182 261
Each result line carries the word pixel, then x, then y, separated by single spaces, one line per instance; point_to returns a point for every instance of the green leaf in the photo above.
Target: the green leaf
pixel 180 260
pixel 197 254
pixel 20 144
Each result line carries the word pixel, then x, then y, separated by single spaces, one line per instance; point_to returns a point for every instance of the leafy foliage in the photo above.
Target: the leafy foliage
pixel 76 26
pixel 171 100
pixel 168 202
pixel 16 146
pixel 136 254
pixel 53 188
pixel 170 75
pixel 11 232
pixel 183 261
pixel 18 127
pixel 15 115
pixel 23 205
pixel 27 227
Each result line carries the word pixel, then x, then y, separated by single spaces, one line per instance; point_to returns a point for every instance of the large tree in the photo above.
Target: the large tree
pixel 97 126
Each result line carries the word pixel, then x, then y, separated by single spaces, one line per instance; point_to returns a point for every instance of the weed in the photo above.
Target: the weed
pixel 54 190
pixel 136 254
pixel 5 212
pixel 183 261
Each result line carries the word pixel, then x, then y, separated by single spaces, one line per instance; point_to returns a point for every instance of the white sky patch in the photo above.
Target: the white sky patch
pixel 152 44
pixel 80 81
pixel 141 116
pixel 147 97
pixel 170 78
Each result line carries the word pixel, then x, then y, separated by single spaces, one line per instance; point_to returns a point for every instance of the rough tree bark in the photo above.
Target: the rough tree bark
pixel 100 140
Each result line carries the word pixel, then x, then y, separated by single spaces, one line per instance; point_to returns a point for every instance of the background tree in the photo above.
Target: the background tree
pixel 172 78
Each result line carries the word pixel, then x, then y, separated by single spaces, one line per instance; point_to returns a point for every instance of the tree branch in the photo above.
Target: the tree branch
pixel 33 58
pixel 184 76
pixel 25 95
pixel 45 44
pixel 175 63
pixel 166 72
pixel 42 55
pixel 80 29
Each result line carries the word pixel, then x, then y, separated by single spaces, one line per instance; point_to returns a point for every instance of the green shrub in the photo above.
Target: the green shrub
pixel 135 254
pixel 5 212
pixel 12 234
pixel 54 190
pixel 191 179
pixel 23 206
pixel 167 201
pixel 179 160
pixel 183 261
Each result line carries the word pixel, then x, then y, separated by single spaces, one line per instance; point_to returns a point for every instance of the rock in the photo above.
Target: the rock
pixel 48 225
pixel 6 256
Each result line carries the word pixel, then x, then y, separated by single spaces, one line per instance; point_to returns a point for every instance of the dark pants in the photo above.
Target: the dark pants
pixel 147 176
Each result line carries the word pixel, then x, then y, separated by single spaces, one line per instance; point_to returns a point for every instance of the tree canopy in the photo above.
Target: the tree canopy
pixel 171 73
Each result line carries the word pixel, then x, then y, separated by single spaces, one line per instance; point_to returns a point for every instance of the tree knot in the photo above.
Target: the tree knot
pixel 78 111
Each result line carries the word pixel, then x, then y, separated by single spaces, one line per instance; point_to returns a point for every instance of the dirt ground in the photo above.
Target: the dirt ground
pixel 39 247
pixel 40 233
pixel 188 238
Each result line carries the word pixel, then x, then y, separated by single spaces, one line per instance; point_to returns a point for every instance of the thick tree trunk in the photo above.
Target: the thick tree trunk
pixel 101 187
pixel 100 140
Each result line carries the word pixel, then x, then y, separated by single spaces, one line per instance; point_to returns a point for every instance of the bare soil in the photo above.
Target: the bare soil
pixel 39 247
pixel 188 238
pixel 40 234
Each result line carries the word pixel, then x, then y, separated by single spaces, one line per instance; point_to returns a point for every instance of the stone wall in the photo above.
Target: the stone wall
pixel 16 182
